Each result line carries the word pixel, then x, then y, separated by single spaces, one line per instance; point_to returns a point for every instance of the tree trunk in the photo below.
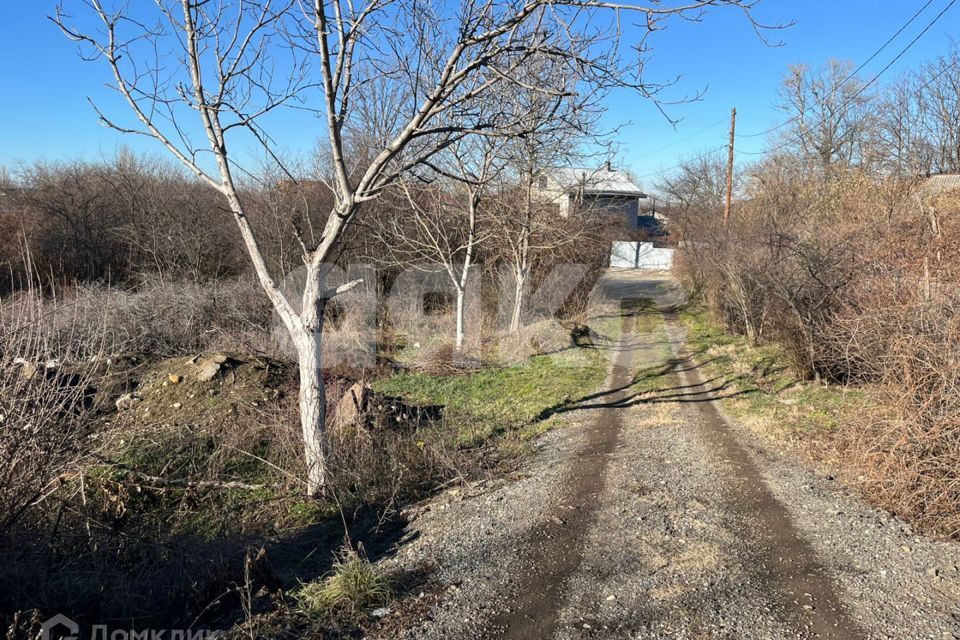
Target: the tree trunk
pixel 460 318
pixel 313 409
pixel 313 400
pixel 516 316
pixel 467 263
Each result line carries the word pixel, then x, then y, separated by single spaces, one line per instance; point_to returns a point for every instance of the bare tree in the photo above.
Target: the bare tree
pixel 437 224
pixel 529 223
pixel 830 113
pixel 78 214
pixel 183 62
pixel 899 147
pixel 558 126
pixel 939 93
pixel 699 184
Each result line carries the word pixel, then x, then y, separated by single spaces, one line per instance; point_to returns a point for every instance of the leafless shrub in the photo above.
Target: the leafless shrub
pixel 782 266
pixel 908 445
pixel 111 221
pixel 898 327
pixel 159 318
pixel 43 405
pixel 853 275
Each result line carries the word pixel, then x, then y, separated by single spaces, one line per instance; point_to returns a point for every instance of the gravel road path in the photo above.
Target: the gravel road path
pixel 652 515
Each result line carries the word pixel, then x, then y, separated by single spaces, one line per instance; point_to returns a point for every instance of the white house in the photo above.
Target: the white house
pixel 597 191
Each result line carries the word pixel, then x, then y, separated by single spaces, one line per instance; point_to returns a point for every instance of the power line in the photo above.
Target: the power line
pixel 864 64
pixel 691 136
pixel 679 165
pixel 905 49
pixel 893 37
pixel 862 89
pixel 948 67
pixel 872 80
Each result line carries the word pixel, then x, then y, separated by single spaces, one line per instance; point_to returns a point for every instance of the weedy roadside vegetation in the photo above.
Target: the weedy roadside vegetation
pixel 836 272
pixel 759 387
pixel 353 587
pixel 129 463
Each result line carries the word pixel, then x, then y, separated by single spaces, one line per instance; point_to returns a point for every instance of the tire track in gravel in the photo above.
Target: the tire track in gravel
pixel 555 551
pixel 777 554
pixel 652 516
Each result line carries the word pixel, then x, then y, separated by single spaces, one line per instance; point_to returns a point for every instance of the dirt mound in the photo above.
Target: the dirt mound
pixel 208 389
pixel 202 389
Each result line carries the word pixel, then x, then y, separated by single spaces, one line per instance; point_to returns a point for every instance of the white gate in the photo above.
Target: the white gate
pixel 640 255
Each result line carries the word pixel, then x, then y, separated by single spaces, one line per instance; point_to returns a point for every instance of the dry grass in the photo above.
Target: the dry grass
pixel 850 280
pixel 353 587
pixel 157 318
pixel 44 404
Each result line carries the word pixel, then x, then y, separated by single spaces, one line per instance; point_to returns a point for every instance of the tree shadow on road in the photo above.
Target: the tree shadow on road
pixel 656 385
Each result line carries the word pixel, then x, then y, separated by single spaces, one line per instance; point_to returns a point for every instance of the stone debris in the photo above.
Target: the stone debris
pixel 208 370
pixel 352 405
pixel 127 401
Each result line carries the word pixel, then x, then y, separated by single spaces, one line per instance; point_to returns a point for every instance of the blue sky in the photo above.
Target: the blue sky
pixel 44 112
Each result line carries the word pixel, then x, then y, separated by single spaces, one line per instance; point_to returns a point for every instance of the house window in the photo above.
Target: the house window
pixel 542 182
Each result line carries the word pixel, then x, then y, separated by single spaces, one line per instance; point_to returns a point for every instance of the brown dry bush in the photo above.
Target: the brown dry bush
pixel 45 414
pixel 899 327
pixel 44 405
pixel 854 276
pixel 907 446
pixel 111 221
pixel 158 318
pixel 780 268
pixel 132 216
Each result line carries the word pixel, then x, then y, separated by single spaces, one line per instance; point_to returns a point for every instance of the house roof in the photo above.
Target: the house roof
pixel 595 181
pixel 942 183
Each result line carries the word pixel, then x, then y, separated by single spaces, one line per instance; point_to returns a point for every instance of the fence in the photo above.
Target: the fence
pixel 640 255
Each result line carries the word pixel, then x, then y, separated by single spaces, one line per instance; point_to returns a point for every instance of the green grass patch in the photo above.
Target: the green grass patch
pixel 647 318
pixel 761 387
pixel 702 332
pixel 656 367
pixel 653 378
pixel 482 404
pixel 353 587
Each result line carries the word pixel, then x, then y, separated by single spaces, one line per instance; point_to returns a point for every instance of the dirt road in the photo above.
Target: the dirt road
pixel 652 515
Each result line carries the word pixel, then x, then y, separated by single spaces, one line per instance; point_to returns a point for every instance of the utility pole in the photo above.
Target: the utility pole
pixel 733 133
